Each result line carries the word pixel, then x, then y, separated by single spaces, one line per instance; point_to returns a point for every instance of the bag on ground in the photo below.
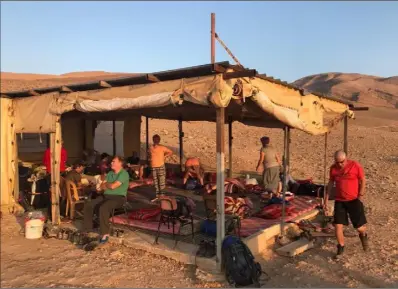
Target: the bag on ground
pixel 240 266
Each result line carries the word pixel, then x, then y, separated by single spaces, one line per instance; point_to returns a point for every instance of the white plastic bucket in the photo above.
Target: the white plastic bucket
pixel 34 229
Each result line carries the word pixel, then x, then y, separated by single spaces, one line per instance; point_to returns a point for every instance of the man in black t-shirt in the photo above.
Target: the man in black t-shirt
pixel 75 175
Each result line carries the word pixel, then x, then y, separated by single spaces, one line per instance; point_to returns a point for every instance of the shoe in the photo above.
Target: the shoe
pixel 340 251
pixel 364 241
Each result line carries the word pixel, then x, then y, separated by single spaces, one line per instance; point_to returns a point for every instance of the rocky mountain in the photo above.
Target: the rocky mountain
pixel 358 88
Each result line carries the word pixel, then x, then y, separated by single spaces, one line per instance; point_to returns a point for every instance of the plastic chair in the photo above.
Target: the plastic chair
pixel 72 198
pixel 171 214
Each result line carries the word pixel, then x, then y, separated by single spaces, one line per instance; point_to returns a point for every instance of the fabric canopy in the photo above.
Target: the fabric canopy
pixel 284 105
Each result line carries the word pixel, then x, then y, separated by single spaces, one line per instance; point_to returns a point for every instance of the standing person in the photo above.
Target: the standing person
pixel 47 164
pixel 348 178
pixel 270 161
pixel 158 153
pixel 115 191
pixel 47 159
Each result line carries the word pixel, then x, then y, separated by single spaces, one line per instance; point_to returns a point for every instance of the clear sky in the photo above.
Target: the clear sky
pixel 287 40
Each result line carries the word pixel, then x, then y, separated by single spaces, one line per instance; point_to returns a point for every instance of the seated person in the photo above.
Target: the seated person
pixel 75 175
pixel 134 159
pixel 104 163
pixel 114 196
pixel 291 184
pixel 194 170
pixel 135 166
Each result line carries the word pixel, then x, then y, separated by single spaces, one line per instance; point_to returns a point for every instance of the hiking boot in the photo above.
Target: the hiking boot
pixel 364 241
pixel 340 251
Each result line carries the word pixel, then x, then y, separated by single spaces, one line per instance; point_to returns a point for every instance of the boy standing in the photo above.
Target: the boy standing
pixel 158 154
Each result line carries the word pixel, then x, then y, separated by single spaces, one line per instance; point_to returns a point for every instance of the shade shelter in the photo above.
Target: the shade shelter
pixel 219 92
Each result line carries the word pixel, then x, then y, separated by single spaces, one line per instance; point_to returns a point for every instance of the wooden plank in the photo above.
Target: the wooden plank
pixel 295 248
pixel 218 68
pixel 65 89
pixel 239 74
pixel 104 84
pixel 220 144
pixel 152 78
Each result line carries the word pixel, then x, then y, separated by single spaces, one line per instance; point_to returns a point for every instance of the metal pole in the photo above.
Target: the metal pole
pixel 325 168
pixel 230 139
pixel 181 140
pixel 147 138
pixel 289 140
pixel 114 137
pixel 213 38
pixel 220 183
pixel 346 134
pixel 284 188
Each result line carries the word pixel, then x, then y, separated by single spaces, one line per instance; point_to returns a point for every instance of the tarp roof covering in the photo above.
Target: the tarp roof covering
pixel 190 94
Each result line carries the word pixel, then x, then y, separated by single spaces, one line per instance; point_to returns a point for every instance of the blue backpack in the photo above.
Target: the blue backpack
pixel 191 184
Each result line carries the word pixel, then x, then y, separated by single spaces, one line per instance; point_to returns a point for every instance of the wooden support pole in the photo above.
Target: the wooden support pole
pixel 114 137
pixel 147 138
pixel 213 38
pixel 52 157
pixel 181 143
pixel 284 187
pixel 346 134
pixel 220 183
pixel 230 140
pixel 55 147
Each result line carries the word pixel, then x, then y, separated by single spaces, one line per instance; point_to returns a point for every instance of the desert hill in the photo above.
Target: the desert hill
pixel 23 81
pixel 368 90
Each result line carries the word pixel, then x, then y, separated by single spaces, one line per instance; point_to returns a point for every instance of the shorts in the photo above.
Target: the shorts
pixel 353 209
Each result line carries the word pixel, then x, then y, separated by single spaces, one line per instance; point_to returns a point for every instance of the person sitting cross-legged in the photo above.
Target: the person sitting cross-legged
pixel 114 196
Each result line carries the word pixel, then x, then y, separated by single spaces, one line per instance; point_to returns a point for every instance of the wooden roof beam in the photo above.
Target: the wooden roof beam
pixel 65 89
pixel 104 84
pixel 218 68
pixel 238 74
pixel 152 78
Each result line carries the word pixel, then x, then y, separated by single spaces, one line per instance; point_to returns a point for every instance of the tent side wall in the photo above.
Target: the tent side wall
pixel 7 153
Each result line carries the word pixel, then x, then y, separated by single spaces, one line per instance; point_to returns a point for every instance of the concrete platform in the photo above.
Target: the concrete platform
pixel 186 252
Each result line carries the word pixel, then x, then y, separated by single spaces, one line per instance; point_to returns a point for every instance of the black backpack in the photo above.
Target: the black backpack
pixel 240 267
